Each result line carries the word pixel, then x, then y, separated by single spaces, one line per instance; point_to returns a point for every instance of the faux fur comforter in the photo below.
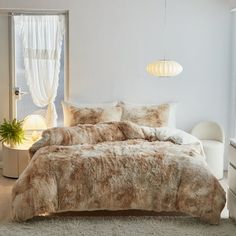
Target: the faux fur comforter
pixel 117 166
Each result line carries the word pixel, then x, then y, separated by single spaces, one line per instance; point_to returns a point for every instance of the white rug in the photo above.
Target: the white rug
pixel 114 226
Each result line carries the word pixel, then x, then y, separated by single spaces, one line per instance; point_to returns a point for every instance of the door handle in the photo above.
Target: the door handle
pixel 18 93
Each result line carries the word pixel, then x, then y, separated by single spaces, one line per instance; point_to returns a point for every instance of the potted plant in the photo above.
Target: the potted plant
pixel 11 132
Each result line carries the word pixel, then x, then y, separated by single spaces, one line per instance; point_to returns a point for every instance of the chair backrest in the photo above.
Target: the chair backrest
pixel 209 130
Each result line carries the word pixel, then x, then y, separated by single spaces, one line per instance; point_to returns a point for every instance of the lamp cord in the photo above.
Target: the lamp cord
pixel 164 30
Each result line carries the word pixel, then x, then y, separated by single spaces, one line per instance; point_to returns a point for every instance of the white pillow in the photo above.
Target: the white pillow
pixel 172 115
pixel 176 135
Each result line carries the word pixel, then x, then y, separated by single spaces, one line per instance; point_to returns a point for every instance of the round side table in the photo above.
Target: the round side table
pixel 15 160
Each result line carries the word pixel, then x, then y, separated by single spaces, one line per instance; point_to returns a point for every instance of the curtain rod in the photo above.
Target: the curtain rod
pixel 32 12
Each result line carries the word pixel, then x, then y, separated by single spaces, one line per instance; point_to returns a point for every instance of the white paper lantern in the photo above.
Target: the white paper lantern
pixel 164 68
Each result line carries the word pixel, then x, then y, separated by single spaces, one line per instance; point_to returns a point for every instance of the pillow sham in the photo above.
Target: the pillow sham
pixel 149 115
pixel 74 114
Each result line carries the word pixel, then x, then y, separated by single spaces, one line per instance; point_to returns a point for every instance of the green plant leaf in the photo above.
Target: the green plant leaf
pixel 12 131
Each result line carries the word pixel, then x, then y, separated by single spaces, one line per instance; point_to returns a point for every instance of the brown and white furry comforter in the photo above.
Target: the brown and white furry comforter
pixel 117 166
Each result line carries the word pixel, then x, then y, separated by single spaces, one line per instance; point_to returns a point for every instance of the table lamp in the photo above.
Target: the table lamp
pixel 34 125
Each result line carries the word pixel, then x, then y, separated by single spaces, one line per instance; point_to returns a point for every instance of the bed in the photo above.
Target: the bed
pixel 117 165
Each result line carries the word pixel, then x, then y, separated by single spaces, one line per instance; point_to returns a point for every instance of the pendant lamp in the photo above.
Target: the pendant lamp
pixel 164 68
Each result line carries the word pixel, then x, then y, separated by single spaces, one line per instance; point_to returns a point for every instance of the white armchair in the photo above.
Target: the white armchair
pixel 212 137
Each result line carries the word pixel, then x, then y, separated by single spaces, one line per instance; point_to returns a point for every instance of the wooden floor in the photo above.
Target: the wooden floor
pixel 5 197
pixel 5 202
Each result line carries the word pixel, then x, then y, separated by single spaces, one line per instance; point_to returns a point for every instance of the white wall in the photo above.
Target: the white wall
pixel 4 70
pixel 232 3
pixel 111 42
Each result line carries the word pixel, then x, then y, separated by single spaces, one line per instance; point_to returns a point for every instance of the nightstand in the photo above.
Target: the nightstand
pixel 15 159
pixel 232 179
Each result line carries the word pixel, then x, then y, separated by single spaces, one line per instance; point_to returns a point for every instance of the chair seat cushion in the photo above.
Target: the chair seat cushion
pixel 214 152
pixel 212 144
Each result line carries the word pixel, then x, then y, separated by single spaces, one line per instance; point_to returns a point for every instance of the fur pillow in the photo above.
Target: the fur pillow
pixel 152 116
pixel 74 115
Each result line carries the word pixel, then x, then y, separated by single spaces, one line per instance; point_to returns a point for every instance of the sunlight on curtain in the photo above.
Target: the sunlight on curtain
pixel 42 45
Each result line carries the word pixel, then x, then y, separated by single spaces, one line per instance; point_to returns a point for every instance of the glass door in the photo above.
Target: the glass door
pixel 23 104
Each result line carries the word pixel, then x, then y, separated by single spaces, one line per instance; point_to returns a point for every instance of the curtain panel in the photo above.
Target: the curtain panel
pixel 42 43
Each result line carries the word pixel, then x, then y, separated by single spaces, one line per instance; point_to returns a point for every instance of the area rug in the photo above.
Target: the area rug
pixel 114 226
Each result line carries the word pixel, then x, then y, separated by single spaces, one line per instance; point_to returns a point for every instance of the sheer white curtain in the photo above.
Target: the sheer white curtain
pixel 42 43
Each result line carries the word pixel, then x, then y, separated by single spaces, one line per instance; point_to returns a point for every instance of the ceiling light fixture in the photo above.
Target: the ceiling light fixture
pixel 164 68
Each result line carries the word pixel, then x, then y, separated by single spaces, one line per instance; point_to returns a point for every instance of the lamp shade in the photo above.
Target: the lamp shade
pixel 34 122
pixel 164 68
